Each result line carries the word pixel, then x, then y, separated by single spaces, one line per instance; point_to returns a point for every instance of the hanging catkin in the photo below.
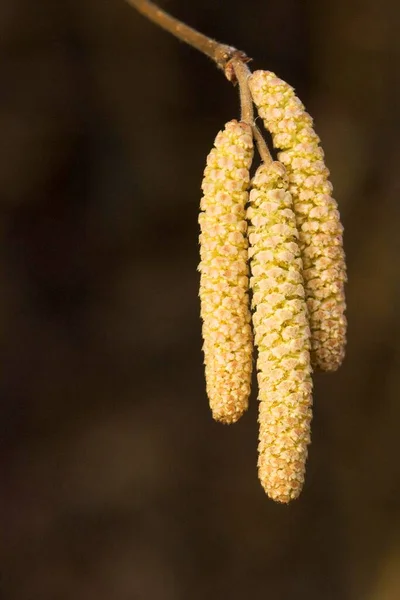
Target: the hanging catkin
pixel 282 335
pixel 317 216
pixel 224 273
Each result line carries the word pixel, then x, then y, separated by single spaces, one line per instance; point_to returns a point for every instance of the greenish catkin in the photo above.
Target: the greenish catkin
pixel 281 333
pixel 317 215
pixel 224 278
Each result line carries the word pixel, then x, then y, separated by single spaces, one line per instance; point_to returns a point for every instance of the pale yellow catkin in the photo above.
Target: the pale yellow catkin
pixel 224 278
pixel 282 335
pixel 317 215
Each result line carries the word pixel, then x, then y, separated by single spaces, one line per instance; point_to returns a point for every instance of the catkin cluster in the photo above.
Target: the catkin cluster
pixel 288 231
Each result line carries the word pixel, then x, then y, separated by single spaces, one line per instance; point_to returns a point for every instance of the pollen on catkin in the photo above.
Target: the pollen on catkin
pixel 281 334
pixel 224 278
pixel 317 215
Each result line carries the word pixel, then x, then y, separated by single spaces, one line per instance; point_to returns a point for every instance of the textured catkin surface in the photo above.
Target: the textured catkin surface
pixel 317 215
pixel 282 335
pixel 224 273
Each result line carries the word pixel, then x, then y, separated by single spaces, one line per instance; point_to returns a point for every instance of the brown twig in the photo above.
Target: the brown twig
pixel 229 59
pixel 219 53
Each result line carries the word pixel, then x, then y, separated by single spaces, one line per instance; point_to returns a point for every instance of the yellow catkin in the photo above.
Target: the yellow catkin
pixel 224 278
pixel 282 335
pixel 317 215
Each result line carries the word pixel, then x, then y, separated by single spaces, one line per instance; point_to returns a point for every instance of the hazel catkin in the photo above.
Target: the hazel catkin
pixel 281 333
pixel 317 215
pixel 224 273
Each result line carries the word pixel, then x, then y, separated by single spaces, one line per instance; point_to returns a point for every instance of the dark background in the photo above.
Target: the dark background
pixel 115 482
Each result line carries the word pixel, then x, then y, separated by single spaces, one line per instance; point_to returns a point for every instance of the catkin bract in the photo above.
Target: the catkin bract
pixel 281 333
pixel 224 273
pixel 317 216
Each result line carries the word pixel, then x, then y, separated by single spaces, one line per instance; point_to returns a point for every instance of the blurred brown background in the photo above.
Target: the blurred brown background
pixel 115 482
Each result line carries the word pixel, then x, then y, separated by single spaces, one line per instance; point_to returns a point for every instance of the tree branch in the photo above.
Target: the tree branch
pixel 229 59
pixel 221 54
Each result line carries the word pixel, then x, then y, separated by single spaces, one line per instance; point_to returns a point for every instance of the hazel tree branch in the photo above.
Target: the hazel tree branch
pixel 232 61
pixel 219 53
